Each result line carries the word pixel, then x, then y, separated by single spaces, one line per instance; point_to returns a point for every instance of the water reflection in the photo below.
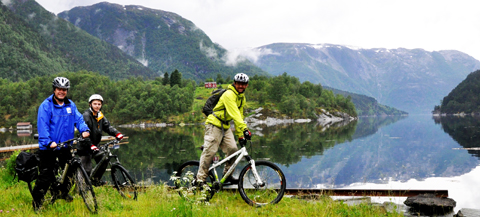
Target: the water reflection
pixel 464 130
pixel 412 148
pixel 372 150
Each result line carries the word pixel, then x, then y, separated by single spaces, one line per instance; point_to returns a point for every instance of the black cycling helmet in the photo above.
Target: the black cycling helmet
pixel 241 77
pixel 61 82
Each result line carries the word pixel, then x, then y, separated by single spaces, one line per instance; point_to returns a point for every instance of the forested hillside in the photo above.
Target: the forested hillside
pixel 136 100
pixel 126 100
pixel 35 42
pixel 463 98
pixel 297 99
pixel 161 40
pixel 367 106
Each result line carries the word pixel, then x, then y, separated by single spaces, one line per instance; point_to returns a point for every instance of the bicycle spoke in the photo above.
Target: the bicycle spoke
pixel 270 191
pixel 185 175
pixel 124 183
pixel 86 190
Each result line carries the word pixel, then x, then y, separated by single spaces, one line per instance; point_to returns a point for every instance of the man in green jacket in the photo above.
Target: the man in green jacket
pixel 217 133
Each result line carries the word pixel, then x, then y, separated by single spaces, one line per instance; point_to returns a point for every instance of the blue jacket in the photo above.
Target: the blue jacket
pixel 56 123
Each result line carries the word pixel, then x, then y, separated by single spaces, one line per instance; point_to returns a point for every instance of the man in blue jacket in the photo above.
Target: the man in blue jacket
pixel 56 121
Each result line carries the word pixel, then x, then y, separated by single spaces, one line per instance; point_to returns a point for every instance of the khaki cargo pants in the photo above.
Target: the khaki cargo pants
pixel 212 140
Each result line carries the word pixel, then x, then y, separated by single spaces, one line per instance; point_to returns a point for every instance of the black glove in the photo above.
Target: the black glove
pixel 242 141
pixel 247 134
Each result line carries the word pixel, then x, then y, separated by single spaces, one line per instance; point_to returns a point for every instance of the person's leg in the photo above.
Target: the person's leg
pixel 45 178
pixel 86 159
pixel 63 156
pixel 212 138
pixel 228 146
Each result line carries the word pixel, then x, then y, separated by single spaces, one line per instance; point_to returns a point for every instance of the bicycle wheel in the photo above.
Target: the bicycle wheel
pixel 272 189
pixel 186 173
pixel 123 182
pixel 82 181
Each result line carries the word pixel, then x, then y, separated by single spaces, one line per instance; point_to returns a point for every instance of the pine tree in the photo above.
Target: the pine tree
pixel 165 79
pixel 176 78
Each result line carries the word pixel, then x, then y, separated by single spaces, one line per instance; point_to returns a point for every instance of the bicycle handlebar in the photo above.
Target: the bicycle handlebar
pixel 65 143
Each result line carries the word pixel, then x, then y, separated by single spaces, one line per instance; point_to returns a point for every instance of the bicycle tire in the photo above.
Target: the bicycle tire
pixel 185 189
pixel 84 186
pixel 272 191
pixel 123 182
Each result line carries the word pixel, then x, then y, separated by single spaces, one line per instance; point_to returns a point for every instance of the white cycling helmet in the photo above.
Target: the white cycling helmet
pixel 61 82
pixel 95 97
pixel 241 77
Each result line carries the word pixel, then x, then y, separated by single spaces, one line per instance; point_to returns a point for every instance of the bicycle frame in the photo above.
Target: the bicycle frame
pixel 241 154
pixel 107 157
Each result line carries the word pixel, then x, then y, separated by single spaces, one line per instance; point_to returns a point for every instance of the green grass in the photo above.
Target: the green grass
pixel 159 200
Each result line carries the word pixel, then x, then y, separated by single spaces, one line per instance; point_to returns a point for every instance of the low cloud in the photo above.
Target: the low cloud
pixel 6 2
pixel 235 56
pixel 32 15
pixel 209 51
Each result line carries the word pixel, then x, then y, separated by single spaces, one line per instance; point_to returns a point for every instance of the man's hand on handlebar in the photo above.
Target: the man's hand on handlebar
pixel 242 141
pixel 85 134
pixel 53 145
pixel 247 134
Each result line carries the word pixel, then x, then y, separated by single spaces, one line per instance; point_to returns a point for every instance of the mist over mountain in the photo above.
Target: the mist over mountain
pixel 412 80
pixel 161 40
pixel 36 42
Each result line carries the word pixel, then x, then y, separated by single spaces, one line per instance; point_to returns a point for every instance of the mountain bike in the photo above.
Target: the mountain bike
pixel 121 179
pixel 80 177
pixel 260 182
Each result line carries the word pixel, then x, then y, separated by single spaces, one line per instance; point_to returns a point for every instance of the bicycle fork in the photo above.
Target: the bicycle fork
pixel 259 183
pixel 64 174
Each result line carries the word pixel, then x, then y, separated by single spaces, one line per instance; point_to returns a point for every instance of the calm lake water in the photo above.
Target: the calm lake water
pixel 414 152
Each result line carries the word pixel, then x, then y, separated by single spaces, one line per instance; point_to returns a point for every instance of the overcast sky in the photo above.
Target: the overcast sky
pixel 239 24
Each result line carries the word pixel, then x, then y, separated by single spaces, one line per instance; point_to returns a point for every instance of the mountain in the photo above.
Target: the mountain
pixel 367 106
pixel 413 80
pixel 34 42
pixel 161 40
pixel 463 98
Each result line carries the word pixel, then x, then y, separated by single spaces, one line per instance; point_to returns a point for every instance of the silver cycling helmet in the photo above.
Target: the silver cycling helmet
pixel 61 82
pixel 241 77
pixel 95 97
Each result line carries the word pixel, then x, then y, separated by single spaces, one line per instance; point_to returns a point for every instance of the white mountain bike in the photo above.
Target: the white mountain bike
pixel 260 182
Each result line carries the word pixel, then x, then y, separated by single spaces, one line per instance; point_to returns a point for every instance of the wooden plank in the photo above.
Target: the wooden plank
pixel 35 146
pixel 355 192
pixel 368 192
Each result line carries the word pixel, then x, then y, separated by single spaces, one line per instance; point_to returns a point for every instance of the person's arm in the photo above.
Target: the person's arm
pixel 80 123
pixel 108 128
pixel 43 121
pixel 231 106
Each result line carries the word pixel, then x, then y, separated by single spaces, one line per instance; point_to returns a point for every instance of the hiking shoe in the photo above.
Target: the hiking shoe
pixel 197 183
pixel 231 181
pixel 36 206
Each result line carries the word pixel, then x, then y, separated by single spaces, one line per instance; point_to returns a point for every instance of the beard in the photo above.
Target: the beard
pixel 58 99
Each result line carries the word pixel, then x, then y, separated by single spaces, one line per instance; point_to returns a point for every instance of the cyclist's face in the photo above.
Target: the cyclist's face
pixel 96 105
pixel 60 93
pixel 241 86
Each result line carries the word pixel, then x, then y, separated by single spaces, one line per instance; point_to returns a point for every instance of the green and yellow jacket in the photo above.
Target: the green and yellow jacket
pixel 228 108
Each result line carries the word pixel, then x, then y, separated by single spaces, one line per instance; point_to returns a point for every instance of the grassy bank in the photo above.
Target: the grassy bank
pixel 158 200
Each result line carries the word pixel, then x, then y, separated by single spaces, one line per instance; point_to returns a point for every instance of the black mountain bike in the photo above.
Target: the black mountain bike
pixel 121 179
pixel 80 180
